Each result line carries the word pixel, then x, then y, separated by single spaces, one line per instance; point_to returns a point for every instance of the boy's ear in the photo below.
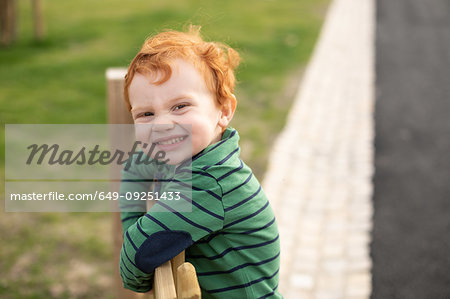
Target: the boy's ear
pixel 227 112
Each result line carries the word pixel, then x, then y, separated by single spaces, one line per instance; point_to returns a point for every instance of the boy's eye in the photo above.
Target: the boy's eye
pixel 147 114
pixel 180 106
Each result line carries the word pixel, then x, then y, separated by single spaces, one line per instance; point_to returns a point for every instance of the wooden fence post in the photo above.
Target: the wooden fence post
pixel 117 110
pixel 176 262
pixel 38 20
pixel 163 286
pixel 117 114
pixel 187 283
pixel 7 22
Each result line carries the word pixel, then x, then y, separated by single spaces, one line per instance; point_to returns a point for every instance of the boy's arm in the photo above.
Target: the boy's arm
pixel 132 184
pixel 159 236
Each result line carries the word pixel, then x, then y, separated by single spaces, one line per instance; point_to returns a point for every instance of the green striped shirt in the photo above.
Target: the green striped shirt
pixel 229 233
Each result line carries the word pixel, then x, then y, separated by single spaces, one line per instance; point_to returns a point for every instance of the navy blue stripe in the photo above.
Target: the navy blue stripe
pixel 239 267
pixel 210 237
pixel 209 192
pixel 198 155
pixel 232 171
pixel 243 201
pixel 207 211
pixel 140 229
pixel 137 180
pixel 200 207
pixel 270 294
pixel 127 269
pixel 164 180
pixel 228 156
pixel 214 147
pixel 242 233
pixel 186 219
pixel 126 254
pixel 203 174
pixel 130 217
pixel 247 217
pixel 135 276
pixel 185 170
pixel 245 182
pixel 131 241
pixel 223 253
pixel 201 154
pixel 243 285
pixel 223 160
pixel 156 221
pixel 198 189
pixel 260 228
pixel 142 182
pixel 185 198
pixel 139 286
pixel 198 172
pixel 181 183
pixel 122 273
pixel 174 180
pixel 157 185
pixel 185 163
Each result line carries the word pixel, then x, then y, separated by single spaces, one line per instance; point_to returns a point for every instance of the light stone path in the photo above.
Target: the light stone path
pixel 321 166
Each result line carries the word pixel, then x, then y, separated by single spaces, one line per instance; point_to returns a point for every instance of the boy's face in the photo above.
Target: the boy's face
pixel 181 116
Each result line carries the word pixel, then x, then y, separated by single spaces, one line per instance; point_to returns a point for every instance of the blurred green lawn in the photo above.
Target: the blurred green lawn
pixel 62 80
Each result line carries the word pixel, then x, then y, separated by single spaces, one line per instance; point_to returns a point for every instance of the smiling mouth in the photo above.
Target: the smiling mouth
pixel 171 141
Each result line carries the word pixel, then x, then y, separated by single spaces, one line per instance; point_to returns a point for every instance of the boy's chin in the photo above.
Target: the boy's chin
pixel 177 158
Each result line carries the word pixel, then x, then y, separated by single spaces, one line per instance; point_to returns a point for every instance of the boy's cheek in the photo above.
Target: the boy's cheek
pixel 142 132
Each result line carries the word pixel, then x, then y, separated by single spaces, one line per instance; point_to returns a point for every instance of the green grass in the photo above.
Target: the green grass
pixel 62 80
pixel 55 255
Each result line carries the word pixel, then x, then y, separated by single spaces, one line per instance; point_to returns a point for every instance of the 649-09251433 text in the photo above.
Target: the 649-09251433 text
pixel 98 195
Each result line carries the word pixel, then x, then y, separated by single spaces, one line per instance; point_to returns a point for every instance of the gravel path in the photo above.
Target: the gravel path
pixel 321 165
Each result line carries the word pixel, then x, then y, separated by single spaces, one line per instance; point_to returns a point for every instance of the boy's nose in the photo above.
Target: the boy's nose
pixel 162 123
pixel 162 127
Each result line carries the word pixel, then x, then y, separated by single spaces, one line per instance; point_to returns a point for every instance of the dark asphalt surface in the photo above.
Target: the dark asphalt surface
pixel 411 235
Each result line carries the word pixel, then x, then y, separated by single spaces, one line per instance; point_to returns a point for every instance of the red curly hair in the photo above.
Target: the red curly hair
pixel 215 61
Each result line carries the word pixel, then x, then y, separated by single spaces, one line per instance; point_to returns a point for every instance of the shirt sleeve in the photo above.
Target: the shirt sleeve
pixel 133 186
pixel 165 231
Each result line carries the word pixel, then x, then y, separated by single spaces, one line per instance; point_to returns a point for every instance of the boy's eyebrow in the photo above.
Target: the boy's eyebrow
pixel 168 102
pixel 180 97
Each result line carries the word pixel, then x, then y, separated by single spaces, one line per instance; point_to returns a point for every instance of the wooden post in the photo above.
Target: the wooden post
pixel 187 283
pixel 117 114
pixel 163 285
pixel 117 110
pixel 176 262
pixel 7 22
pixel 38 20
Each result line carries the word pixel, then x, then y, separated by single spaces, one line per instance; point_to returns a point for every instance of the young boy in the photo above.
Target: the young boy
pixel 180 89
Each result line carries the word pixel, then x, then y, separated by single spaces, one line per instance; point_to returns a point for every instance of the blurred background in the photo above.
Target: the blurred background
pixel 58 76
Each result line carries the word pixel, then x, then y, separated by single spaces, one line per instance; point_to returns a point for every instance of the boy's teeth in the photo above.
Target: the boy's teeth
pixel 171 141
